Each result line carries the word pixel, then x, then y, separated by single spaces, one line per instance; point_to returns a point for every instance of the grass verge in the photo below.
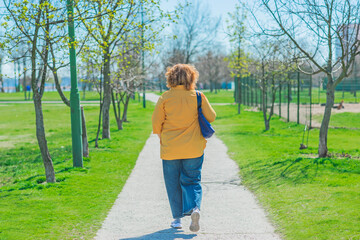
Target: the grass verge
pixel 49 96
pixel 75 206
pixel 306 197
pixel 342 120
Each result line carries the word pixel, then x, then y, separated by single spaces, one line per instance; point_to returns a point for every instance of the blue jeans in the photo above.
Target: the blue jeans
pixel 182 181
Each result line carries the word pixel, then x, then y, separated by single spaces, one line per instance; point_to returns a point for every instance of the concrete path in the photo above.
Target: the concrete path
pixel 229 211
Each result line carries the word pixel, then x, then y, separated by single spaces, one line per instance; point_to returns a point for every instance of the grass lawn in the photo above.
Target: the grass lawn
pixel 306 197
pixel 342 120
pixel 75 206
pixel 317 98
pixel 221 96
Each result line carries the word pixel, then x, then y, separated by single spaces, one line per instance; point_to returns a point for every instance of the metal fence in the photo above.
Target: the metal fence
pixel 297 98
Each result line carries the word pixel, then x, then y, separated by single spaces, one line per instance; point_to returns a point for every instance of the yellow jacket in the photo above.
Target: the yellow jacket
pixel 176 118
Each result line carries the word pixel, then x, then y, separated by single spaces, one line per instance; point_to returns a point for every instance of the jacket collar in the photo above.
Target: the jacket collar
pixel 181 87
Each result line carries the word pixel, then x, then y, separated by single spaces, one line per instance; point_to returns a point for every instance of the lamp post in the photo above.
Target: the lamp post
pixel 142 53
pixel 74 94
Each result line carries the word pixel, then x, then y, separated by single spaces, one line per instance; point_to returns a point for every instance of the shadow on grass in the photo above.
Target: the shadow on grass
pixel 301 170
pixel 22 168
pixel 167 234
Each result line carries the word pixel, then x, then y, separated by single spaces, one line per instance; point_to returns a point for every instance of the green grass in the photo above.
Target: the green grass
pixel 228 96
pixel 317 98
pixel 342 120
pixel 306 197
pixel 221 96
pixel 76 205
pixel 48 96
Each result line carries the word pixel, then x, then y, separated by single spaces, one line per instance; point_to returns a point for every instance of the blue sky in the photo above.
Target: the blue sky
pixel 218 8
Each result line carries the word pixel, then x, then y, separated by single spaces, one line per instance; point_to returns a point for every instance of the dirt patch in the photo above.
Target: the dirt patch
pixel 10 142
pixel 315 109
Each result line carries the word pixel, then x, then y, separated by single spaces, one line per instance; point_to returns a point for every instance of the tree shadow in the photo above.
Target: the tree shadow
pixel 168 234
pixel 302 170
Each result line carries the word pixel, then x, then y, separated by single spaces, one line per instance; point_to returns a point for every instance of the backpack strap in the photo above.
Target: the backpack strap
pixel 198 96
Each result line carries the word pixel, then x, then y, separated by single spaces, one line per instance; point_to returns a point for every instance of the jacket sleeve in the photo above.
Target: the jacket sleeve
pixel 158 116
pixel 207 110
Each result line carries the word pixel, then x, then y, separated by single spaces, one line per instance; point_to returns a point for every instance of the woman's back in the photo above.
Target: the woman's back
pixel 176 118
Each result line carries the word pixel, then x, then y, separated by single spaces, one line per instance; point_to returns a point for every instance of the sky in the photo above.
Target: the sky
pixel 218 8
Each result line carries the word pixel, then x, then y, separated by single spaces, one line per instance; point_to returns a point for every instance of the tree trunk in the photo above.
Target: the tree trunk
pixel 126 105
pixel 84 134
pixel 107 98
pixel 58 88
pixel 267 124
pixel 263 102
pixel 24 77
pixel 264 110
pixel 116 112
pixel 330 97
pixel 239 94
pixel 99 124
pixel 37 95
pixel 40 134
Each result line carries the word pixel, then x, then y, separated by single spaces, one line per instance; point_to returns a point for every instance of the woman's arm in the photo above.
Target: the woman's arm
pixel 158 116
pixel 207 110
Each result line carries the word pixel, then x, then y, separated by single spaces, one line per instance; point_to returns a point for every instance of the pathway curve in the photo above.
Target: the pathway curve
pixel 229 210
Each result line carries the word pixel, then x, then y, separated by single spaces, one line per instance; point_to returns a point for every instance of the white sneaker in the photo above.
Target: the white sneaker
pixel 195 217
pixel 176 224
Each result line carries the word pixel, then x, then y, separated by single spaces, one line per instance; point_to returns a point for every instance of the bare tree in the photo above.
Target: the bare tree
pixel 238 63
pixel 195 32
pixel 272 64
pixel 211 67
pixel 317 28
pixel 126 80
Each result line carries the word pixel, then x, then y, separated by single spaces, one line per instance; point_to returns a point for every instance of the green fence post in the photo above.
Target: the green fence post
pixel 74 94
pixel 298 97
pixel 143 55
pixel 256 92
pixel 288 101
pixel 280 99
pixel 310 100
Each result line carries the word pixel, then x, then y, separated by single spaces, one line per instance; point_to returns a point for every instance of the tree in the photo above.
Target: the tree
pixel 30 23
pixel 109 23
pixel 237 59
pixel 41 27
pixel 266 53
pixel 126 80
pixel 212 69
pixel 317 28
pixel 195 33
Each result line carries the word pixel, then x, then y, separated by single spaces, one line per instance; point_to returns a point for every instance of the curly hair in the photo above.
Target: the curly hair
pixel 182 74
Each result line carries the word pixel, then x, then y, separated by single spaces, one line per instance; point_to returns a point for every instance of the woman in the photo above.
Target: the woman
pixel 175 121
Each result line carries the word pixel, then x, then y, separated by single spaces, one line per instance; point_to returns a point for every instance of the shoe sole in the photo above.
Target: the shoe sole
pixel 176 227
pixel 195 217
